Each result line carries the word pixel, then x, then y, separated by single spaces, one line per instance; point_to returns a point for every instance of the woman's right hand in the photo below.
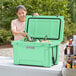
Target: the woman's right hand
pixel 24 34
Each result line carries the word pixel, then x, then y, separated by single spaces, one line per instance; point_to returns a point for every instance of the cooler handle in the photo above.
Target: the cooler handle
pixel 54 60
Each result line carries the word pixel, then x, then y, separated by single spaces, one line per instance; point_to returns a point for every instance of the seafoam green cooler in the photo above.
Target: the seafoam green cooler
pixel 39 53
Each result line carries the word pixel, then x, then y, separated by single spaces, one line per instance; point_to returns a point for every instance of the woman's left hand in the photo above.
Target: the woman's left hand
pixel 35 14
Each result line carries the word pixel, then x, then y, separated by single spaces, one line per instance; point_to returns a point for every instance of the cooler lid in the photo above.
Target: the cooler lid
pixel 40 26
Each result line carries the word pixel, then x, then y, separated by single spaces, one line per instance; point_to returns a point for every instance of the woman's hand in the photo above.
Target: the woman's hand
pixel 23 34
pixel 19 33
pixel 35 14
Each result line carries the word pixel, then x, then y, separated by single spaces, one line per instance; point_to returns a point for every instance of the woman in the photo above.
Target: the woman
pixel 17 25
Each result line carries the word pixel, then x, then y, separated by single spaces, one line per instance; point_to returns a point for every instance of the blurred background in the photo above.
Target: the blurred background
pixel 66 8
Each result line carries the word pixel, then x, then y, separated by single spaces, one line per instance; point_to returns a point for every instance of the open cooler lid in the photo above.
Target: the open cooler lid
pixel 40 26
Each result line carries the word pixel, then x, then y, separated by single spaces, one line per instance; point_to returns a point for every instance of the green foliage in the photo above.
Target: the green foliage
pixel 43 7
pixel 5 36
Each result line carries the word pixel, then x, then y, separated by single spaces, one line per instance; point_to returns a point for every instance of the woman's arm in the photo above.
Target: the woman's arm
pixel 13 28
pixel 18 33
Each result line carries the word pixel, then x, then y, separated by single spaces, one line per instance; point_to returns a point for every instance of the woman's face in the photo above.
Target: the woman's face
pixel 21 13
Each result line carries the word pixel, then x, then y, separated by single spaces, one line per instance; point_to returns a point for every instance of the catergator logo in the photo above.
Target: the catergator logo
pixel 30 47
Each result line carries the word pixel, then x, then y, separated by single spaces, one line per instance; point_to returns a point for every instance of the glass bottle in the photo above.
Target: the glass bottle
pixel 28 38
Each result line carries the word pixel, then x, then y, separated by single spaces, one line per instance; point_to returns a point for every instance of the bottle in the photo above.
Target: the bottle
pixel 28 38
pixel 65 61
pixel 65 51
pixel 45 37
pixel 69 49
pixel 74 63
pixel 37 40
pixel 74 44
pixel 69 62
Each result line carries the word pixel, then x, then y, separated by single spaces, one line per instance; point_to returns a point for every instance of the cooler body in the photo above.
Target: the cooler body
pixel 33 53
